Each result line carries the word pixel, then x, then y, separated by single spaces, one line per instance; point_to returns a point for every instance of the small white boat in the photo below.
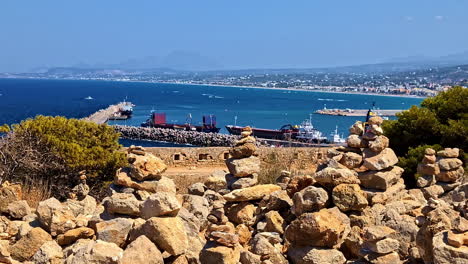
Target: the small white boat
pixel 336 138
pixel 308 133
pixel 89 98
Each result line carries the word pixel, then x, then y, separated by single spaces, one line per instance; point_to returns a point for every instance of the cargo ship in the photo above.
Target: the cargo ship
pixel 304 132
pixel 158 120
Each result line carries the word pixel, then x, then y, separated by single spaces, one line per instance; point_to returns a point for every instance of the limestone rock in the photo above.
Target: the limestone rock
pixel 93 252
pixel 384 246
pixel 114 231
pixel 355 141
pixel 225 238
pixel 27 246
pixel 242 213
pixel 379 144
pixel 375 120
pixel 122 203
pixel 274 222
pixel 164 184
pixel 457 240
pixel 146 167
pixel 309 199
pixel 278 201
pixel 449 153
pixel 73 235
pixel 216 182
pixel 247 257
pixel 376 258
pixel 377 232
pixel 445 253
pixel 357 128
pixel 428 169
pixel 243 167
pixel 429 159
pixel 197 205
pixel 351 160
pixel 325 228
pixel 215 253
pixel 349 197
pixel 450 175
pixel 385 159
pixel 56 218
pixel 85 206
pixel 381 180
pixel 331 176
pixel 49 253
pixel 18 209
pixel 167 233
pixel 429 151
pixel 7 228
pixel 142 251
pixel 8 194
pixel 244 182
pixel 252 193
pixel 313 255
pixel 449 164
pixel 244 151
pixel 160 204
pixel 197 189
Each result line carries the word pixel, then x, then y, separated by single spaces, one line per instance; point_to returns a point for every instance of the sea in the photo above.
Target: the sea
pixel 256 107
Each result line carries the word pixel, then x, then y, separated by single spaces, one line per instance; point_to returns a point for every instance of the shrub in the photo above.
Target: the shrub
pixel 55 149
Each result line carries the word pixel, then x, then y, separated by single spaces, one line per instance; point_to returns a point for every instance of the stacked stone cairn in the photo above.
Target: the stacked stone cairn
pixel 354 209
pixel 441 173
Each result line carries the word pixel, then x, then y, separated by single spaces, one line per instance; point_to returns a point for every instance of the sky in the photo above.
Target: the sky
pixel 236 33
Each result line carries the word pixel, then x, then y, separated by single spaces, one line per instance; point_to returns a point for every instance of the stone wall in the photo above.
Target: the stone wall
pixel 217 155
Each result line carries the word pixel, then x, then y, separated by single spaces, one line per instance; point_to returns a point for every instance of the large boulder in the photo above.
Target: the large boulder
pixel 142 251
pixel 146 167
pixel 197 205
pixel 86 206
pixel 215 253
pixel 49 253
pixel 160 204
pixel 309 199
pixel 122 203
pixel 242 213
pixel 449 163
pixel 379 161
pixel 115 230
pixel 445 253
pixel 314 255
pixel 27 246
pixel 73 235
pixel 356 141
pixel 332 176
pixel 164 184
pixel 18 209
pixel 168 233
pixel 252 193
pixel 381 180
pixel 54 217
pixel 351 160
pixel 8 194
pixel 349 197
pixel 93 252
pixel 380 143
pixel 449 153
pixel 450 175
pixel 325 228
pixel 243 167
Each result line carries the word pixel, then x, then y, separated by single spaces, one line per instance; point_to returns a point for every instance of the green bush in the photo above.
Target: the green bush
pixel 440 121
pixel 56 149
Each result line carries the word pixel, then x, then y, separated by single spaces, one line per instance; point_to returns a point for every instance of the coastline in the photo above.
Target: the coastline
pixel 238 86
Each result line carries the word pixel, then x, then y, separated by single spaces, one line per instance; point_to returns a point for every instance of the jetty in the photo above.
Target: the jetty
pixel 104 115
pixel 358 112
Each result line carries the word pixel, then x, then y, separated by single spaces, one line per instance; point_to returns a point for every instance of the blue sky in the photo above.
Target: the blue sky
pixel 237 34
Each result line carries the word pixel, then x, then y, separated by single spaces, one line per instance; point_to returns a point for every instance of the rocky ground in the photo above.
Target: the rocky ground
pixel 355 209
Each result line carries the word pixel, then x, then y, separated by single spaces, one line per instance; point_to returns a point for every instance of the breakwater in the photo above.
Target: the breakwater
pixel 176 136
pixel 103 115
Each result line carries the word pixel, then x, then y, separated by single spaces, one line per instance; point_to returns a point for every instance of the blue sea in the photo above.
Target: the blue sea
pixel 263 108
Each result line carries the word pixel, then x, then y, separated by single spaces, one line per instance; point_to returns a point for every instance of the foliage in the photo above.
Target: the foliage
pixel 442 119
pixel 4 129
pixel 55 149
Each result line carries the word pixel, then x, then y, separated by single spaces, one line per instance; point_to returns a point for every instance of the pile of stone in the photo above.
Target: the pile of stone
pixel 439 174
pixel 354 209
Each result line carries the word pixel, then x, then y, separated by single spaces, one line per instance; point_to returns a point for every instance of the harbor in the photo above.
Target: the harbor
pixel 358 112
pixel 119 111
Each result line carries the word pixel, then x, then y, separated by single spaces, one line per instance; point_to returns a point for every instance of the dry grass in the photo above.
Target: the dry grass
pixel 35 192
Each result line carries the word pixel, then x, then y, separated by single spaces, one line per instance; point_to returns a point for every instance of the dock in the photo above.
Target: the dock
pixel 358 112
pixel 104 115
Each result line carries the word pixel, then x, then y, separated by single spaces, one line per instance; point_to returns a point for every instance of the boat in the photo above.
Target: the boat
pixel 336 138
pixel 126 109
pixel 307 133
pixel 89 98
pixel 286 132
pixel 158 120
